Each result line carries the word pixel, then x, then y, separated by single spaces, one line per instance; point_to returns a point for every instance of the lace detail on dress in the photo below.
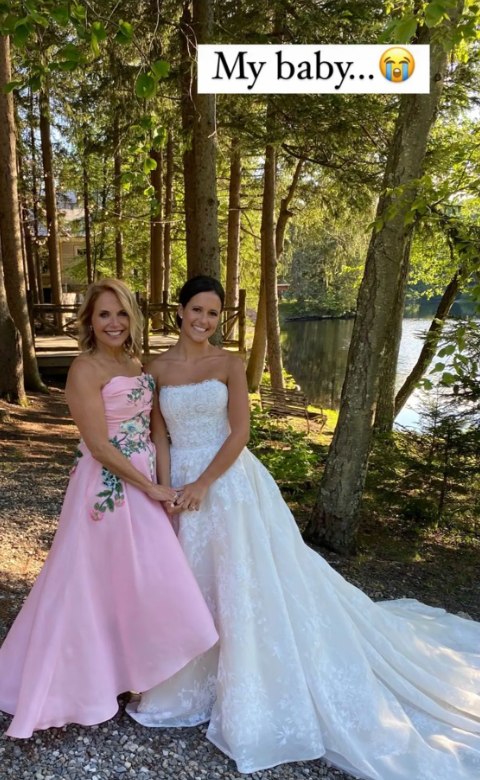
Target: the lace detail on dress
pixel 206 403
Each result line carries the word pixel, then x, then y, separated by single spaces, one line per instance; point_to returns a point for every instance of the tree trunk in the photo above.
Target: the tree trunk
pixel 385 408
pixel 33 153
pixel 157 267
pixel 50 201
pixel 10 232
pixel 233 239
pixel 256 361
pixel 167 232
pixel 27 243
pixel 335 518
pixel 187 85
pixel 100 254
pixel 86 217
pixel 269 254
pixel 285 213
pixel 430 344
pixel 117 184
pixel 207 256
pixel 11 375
pixel 29 254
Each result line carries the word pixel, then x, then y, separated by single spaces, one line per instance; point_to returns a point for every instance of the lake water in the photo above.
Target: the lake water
pixel 315 353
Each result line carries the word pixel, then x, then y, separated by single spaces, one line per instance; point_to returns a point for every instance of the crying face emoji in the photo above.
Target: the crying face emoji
pixel 397 64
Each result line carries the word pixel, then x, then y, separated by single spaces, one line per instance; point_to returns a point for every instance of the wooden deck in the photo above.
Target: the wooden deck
pixel 55 353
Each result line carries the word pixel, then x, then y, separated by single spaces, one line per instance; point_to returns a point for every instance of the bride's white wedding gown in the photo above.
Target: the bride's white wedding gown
pixel 307 665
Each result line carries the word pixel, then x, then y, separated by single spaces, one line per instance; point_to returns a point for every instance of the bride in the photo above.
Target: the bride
pixel 307 665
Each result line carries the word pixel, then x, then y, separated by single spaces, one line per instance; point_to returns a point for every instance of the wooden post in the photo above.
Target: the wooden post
pixel 165 310
pixel 146 328
pixel 31 317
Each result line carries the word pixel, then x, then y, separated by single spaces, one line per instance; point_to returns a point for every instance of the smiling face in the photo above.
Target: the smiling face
pixel 397 64
pixel 110 321
pixel 200 316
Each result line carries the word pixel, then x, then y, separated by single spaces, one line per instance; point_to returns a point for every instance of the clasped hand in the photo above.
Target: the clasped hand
pixel 161 493
pixel 188 498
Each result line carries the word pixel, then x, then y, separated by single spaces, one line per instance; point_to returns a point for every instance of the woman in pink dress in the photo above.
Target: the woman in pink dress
pixel 115 607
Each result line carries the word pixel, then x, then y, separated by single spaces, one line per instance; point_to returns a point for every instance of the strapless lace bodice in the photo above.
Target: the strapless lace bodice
pixel 196 414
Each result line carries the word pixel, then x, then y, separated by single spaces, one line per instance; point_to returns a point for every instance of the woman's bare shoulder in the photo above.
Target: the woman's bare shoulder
pixel 84 372
pixel 233 361
pixel 84 365
pixel 161 364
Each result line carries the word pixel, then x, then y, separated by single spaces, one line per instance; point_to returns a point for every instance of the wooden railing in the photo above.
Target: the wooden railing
pixel 159 318
pixel 52 320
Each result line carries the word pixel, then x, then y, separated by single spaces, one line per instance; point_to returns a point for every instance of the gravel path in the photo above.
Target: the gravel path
pixel 35 452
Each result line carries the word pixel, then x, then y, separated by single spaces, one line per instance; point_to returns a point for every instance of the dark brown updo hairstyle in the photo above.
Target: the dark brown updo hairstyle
pixel 196 285
pixel 86 336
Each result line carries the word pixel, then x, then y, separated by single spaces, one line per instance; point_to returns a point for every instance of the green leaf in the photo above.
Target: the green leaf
pixel 78 12
pixel 405 29
pixel 99 30
pixel 448 378
pixel 125 33
pixel 160 69
pixel 20 35
pixel 438 367
pixel 94 44
pixel 149 191
pixel 67 65
pixel 60 15
pixel 160 139
pixel 434 14
pixel 145 86
pixel 70 52
pixel 419 204
pixel 35 82
pixel 146 122
pixel 388 34
pixel 12 85
pixel 149 164
pixel 39 19
pixel 8 24
pixel 448 350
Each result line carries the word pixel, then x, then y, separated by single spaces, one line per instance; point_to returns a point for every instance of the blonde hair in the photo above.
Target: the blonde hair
pixel 86 336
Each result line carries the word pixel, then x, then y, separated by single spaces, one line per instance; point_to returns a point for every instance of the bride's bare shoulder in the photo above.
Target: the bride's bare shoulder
pixel 233 364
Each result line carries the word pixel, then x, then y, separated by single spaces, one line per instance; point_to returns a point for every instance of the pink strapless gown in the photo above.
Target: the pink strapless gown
pixel 115 607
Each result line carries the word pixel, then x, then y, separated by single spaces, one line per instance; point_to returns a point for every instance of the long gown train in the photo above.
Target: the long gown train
pixel 115 607
pixel 307 665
